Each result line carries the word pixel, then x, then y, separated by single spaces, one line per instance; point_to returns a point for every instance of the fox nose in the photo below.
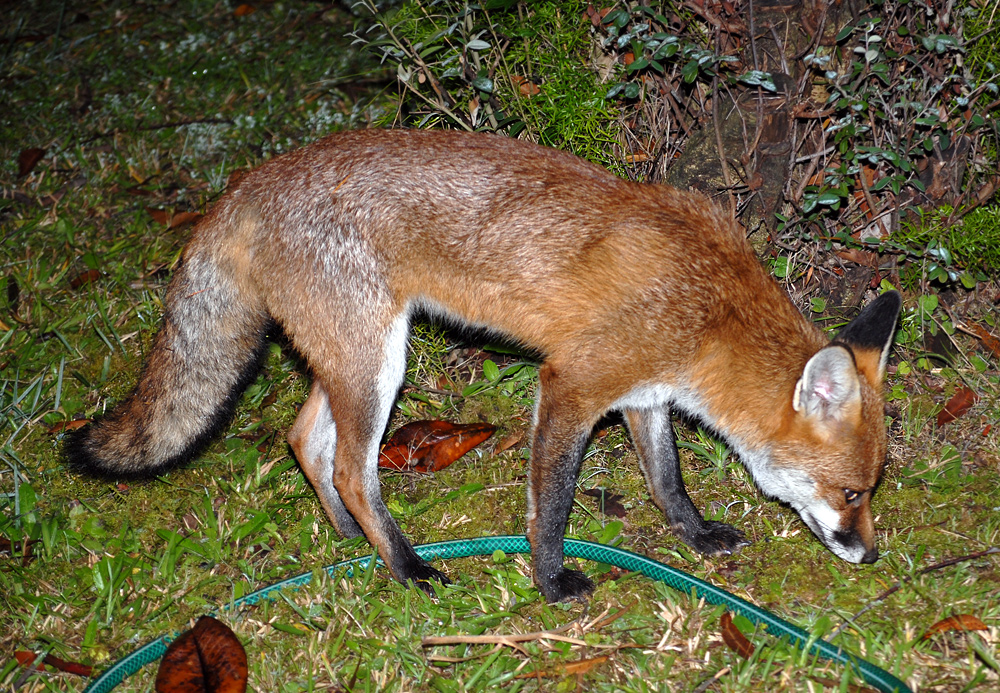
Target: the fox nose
pixel 871 555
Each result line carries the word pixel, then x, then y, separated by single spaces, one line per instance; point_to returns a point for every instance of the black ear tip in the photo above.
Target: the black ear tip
pixel 875 325
pixel 892 301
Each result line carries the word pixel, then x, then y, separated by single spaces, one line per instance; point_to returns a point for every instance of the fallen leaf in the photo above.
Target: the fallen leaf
pixel 859 257
pixel 244 10
pixel 429 446
pixel 734 639
pixel 27 659
pixel 508 442
pixel 68 425
pixel 959 403
pixel 173 220
pixel 580 666
pixel 987 340
pixel 84 278
pixel 607 502
pixel 956 622
pixel 206 659
pixel 525 86
pixel 27 160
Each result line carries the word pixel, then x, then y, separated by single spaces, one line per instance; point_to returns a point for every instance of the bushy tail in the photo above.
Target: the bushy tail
pixel 207 351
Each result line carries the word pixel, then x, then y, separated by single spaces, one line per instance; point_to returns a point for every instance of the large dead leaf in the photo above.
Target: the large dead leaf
pixel 734 639
pixel 27 159
pixel 428 446
pixel 206 659
pixel 959 403
pixel 956 622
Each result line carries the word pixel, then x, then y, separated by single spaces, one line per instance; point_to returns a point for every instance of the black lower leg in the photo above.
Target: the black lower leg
pixel 653 435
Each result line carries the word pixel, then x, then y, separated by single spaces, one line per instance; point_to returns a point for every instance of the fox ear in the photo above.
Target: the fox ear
pixel 829 387
pixel 871 332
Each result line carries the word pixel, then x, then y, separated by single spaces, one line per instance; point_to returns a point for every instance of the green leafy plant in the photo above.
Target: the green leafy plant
pixel 498 66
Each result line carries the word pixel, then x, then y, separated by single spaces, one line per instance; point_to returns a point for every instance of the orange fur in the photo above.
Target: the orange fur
pixel 637 297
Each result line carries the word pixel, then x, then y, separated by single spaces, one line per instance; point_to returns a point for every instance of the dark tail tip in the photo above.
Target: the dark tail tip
pixel 84 456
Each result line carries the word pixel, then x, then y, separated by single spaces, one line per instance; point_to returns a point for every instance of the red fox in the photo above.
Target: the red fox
pixel 638 298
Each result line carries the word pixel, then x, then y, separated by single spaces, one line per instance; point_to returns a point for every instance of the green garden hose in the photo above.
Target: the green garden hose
pixel 484 546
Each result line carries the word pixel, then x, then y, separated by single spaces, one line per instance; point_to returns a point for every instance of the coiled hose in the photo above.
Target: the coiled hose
pixel 485 546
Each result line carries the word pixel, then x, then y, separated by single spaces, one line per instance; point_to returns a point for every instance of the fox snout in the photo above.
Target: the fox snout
pixel 850 534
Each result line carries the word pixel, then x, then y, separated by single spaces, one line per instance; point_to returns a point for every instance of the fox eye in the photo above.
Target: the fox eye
pixel 852 496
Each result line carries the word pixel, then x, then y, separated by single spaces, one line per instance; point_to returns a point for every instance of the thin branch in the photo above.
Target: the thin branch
pixel 896 587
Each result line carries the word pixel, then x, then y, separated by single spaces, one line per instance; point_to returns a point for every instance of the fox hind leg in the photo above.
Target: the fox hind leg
pixel 653 436
pixel 359 395
pixel 314 440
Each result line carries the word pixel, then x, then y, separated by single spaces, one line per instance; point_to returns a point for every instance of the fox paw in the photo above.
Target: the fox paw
pixel 421 575
pixel 566 585
pixel 715 539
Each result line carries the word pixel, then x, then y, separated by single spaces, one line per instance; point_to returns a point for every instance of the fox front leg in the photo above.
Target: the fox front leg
pixel 560 439
pixel 653 436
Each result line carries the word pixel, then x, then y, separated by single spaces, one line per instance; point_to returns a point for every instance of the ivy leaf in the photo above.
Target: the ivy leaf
pixel 483 84
pixel 690 71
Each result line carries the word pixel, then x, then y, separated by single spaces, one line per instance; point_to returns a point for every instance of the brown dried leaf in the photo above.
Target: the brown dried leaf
pixel 508 442
pixel 84 278
pixel 160 216
pixel 580 666
pixel 68 426
pixel 183 218
pixel 244 10
pixel 206 659
pixel 525 86
pixel 956 622
pixel 734 639
pixel 173 220
pixel 429 446
pixel 959 403
pixel 987 340
pixel 859 257
pixel 27 160
pixel 27 659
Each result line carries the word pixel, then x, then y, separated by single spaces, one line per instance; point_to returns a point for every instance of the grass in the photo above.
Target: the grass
pixel 153 106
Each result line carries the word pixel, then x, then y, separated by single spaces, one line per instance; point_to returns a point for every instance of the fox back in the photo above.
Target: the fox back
pixel 637 297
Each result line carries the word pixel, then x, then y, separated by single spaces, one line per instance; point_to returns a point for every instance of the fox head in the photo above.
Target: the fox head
pixel 830 458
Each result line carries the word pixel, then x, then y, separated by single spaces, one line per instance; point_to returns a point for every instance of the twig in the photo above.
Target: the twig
pixel 703 686
pixel 726 177
pixel 896 587
pixel 512 641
